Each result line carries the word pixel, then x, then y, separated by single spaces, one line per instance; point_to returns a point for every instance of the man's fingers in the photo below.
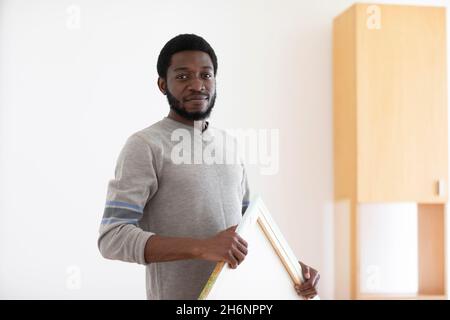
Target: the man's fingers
pixel 242 248
pixel 238 255
pixel 238 250
pixel 312 281
pixel 307 293
pixel 241 240
pixel 232 260
pixel 305 286
pixel 307 289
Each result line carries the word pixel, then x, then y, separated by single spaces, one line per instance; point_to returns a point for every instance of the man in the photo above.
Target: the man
pixel 179 219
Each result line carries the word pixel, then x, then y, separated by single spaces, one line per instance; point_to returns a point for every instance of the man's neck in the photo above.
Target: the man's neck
pixel 175 116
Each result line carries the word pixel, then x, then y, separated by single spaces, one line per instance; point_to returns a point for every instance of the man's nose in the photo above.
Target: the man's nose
pixel 197 85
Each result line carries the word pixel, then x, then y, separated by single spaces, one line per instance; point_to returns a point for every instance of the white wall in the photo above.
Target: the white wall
pixel 69 97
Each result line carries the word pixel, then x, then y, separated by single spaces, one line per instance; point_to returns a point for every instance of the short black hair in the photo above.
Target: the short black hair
pixel 183 42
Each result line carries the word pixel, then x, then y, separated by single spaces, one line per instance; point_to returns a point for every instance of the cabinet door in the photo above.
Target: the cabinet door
pixel 401 103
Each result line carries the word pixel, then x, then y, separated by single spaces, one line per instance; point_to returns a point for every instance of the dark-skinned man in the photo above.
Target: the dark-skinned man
pixel 179 218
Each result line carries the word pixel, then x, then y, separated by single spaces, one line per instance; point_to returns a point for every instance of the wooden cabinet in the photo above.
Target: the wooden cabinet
pixel 390 121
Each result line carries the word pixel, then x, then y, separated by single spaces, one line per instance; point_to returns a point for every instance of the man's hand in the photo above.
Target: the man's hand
pixel 225 246
pixel 308 289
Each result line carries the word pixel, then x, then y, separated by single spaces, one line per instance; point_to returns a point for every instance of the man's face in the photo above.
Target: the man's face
pixel 190 84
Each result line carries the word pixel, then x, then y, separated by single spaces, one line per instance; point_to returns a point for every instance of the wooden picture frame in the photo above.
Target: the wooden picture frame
pixel 269 270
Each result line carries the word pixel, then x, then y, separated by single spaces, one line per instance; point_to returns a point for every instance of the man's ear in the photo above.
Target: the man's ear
pixel 162 85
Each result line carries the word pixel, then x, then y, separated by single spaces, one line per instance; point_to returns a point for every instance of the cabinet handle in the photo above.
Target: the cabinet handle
pixel 441 188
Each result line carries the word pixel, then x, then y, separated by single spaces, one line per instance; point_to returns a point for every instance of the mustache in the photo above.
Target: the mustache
pixel 199 95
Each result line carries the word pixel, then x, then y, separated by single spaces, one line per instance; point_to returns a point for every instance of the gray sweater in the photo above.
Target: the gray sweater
pixel 153 193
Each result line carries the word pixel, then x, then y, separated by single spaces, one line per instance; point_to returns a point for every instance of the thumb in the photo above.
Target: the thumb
pixel 306 273
pixel 232 228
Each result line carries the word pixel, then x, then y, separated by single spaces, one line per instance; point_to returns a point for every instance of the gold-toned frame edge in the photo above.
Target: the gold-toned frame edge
pixel 277 241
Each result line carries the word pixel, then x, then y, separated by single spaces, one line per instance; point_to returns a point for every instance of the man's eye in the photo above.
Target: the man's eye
pixel 181 76
pixel 207 75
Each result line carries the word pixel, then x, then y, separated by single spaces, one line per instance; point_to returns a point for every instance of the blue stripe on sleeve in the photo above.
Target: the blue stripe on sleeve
pixel 118 220
pixel 121 204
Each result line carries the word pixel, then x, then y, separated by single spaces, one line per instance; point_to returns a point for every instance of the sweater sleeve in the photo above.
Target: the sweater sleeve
pixel 135 182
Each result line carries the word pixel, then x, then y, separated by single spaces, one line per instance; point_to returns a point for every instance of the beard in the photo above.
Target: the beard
pixel 175 105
